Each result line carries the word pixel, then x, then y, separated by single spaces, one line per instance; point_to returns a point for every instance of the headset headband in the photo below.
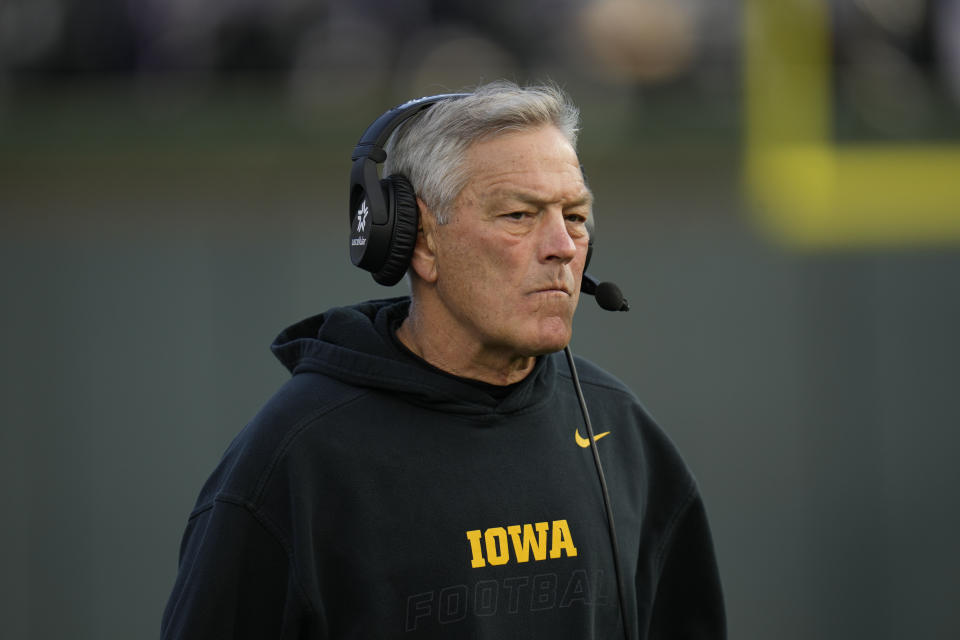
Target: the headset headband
pixel 372 141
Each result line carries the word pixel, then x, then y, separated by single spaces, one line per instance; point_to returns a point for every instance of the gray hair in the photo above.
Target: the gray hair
pixel 429 148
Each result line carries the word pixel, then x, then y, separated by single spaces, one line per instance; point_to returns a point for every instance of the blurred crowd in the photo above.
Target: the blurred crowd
pixel 892 56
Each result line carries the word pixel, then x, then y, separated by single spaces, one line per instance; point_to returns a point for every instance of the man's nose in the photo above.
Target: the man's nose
pixel 556 241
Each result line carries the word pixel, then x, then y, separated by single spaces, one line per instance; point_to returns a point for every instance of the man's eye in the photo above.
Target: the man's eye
pixel 517 215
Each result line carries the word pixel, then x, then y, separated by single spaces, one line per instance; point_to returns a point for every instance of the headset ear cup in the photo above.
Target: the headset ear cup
pixel 403 204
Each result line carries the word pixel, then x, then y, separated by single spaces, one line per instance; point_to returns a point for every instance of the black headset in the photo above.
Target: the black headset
pixel 383 212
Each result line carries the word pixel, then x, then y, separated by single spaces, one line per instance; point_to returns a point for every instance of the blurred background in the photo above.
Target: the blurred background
pixel 173 192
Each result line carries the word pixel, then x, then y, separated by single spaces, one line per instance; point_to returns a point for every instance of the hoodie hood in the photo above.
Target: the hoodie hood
pixel 355 345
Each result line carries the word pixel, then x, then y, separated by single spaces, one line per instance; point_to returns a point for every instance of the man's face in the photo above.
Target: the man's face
pixel 509 261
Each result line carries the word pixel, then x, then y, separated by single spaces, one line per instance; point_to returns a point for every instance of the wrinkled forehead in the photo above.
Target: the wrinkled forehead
pixel 529 156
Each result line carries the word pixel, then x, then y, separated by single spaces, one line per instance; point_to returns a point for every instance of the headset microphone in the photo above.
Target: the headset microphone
pixel 608 295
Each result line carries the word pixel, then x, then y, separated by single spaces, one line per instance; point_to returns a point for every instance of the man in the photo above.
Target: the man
pixel 423 473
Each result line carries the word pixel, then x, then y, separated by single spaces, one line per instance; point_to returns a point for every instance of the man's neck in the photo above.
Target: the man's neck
pixel 454 354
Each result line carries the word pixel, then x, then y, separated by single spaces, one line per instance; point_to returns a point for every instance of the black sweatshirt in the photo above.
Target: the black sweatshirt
pixel 376 497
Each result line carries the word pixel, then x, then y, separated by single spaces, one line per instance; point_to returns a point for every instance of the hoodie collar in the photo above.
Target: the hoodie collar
pixel 354 344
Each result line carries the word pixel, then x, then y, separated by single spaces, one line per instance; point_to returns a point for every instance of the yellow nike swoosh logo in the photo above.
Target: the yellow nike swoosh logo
pixel 585 442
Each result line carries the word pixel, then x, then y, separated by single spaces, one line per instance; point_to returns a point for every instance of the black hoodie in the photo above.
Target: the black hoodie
pixel 376 497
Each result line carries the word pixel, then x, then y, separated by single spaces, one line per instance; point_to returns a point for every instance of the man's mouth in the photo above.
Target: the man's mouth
pixel 554 288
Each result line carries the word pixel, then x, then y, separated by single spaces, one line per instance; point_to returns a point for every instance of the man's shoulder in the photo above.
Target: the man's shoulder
pixel 303 399
pixel 595 376
pixel 308 401
pixel 614 405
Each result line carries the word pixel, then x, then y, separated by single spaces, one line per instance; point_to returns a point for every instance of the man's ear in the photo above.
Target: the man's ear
pixel 424 260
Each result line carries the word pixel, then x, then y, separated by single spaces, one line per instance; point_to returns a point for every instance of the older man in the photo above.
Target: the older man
pixel 423 473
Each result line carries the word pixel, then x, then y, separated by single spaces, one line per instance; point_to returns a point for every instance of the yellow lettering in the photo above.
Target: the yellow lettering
pixel 477 561
pixel 562 540
pixel 492 546
pixel 497 550
pixel 522 547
